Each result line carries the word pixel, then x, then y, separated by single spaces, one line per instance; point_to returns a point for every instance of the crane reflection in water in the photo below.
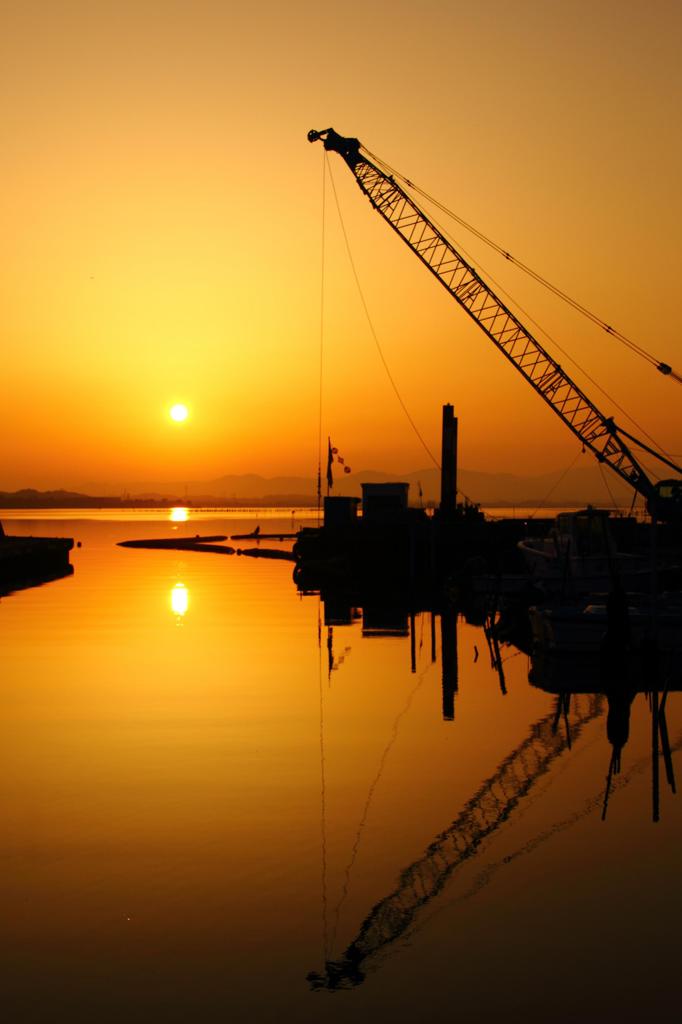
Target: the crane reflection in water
pixel 482 816
pixel 577 705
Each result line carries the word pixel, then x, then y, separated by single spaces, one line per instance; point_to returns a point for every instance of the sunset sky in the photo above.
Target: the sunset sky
pixel 162 224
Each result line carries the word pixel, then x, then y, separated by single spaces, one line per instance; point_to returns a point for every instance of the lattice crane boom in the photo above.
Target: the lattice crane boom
pixel 597 432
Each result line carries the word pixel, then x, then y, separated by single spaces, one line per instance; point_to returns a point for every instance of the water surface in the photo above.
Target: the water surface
pixel 208 794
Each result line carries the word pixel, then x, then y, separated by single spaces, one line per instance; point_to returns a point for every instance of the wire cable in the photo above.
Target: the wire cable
pixel 373 332
pixel 368 802
pixel 659 364
pixel 528 316
pixel 550 492
pixel 322 286
pixel 606 485
pixel 376 338
pixel 323 798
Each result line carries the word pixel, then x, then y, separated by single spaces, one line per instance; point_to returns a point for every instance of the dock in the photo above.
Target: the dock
pixel 30 561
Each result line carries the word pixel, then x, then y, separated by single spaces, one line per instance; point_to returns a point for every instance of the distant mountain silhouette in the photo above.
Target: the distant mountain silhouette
pixel 581 486
pixel 30 498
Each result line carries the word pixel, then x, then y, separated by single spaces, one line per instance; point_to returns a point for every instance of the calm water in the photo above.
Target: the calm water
pixel 208 793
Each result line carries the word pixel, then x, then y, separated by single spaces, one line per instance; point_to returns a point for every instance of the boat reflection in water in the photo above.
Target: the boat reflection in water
pixel 582 628
pixel 620 678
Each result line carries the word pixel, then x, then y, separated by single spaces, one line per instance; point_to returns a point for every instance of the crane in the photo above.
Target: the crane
pixel 487 810
pixel 599 433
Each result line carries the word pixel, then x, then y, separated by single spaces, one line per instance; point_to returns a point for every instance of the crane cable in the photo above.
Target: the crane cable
pixel 543 504
pixel 525 312
pixel 375 337
pixel 321 345
pixel 659 364
pixel 528 316
pixel 323 795
pixel 370 795
pixel 371 325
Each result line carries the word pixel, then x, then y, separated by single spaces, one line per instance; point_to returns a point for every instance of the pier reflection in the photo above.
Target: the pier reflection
pixel 611 673
pixel 35 579
pixel 394 614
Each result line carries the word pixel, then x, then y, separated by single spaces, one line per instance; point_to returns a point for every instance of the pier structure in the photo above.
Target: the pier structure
pixel 381 539
pixel 30 561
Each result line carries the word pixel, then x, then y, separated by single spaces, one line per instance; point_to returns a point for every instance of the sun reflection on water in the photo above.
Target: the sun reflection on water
pixel 179 515
pixel 179 599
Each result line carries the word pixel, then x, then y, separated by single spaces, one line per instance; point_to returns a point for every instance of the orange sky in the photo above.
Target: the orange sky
pixel 161 216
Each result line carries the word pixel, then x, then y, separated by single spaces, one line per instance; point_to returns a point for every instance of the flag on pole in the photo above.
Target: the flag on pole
pixel 330 459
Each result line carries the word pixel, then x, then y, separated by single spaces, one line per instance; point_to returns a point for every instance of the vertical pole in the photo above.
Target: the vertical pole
pixel 433 637
pixel 655 785
pixel 448 472
pixel 653 653
pixel 448 654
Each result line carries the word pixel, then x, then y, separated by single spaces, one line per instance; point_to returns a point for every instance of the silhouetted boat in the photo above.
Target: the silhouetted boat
pixel 246 536
pixel 584 628
pixel 579 556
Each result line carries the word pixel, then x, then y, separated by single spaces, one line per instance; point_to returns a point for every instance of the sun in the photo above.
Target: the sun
pixel 179 413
